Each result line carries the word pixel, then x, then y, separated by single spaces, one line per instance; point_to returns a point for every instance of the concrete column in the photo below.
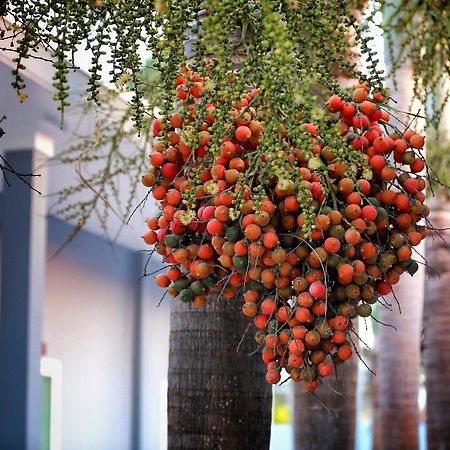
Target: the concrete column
pixel 23 257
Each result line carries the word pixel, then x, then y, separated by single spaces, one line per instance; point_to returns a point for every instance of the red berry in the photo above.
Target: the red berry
pixel 369 213
pixel 348 110
pixel 335 103
pixel 243 133
pixel 332 245
pixel 377 162
pixel 318 290
pixel 170 170
pixel 416 141
pixel 273 376
pixel 325 368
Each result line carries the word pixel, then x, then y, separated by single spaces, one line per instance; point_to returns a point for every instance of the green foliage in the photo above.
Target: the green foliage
pixel 304 38
pixel 293 51
pixel 290 51
pixel 102 164
pixel 60 26
pixel 438 157
pixel 418 33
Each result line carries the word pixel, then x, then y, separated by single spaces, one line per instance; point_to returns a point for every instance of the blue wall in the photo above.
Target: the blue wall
pixel 92 323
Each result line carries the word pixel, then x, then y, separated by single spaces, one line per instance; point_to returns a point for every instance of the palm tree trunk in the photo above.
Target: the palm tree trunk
pixel 333 407
pixel 326 420
pixel 374 389
pixel 436 352
pixel 218 397
pixel 398 366
pixel 398 351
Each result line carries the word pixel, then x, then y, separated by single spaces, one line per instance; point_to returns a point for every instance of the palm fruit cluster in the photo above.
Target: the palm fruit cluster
pixel 308 234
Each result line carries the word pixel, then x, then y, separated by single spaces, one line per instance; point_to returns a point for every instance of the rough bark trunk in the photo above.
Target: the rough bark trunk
pixel 326 420
pixel 218 397
pixel 398 366
pixel 436 352
pixel 375 387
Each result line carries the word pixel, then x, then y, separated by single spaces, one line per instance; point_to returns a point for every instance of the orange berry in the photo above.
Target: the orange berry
pixel 322 222
pixel 404 253
pixel 332 245
pixel 150 237
pixel 352 236
pixel 416 141
pixel 273 376
pixel 252 232
pixel 214 227
pixel 346 271
pixel 359 95
pixel 270 240
pixel 344 352
pixel 162 280
pixel 250 309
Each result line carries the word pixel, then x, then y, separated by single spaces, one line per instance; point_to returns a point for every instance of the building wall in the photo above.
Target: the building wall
pixel 88 319
pixel 155 360
pixel 91 292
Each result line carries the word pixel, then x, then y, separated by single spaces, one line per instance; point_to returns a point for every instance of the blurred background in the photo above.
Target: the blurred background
pixel 102 332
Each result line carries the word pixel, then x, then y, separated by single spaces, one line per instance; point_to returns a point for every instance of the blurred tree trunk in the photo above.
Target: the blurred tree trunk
pixel 398 366
pixel 398 351
pixel 398 363
pixel 436 353
pixel 218 397
pixel 376 432
pixel 326 420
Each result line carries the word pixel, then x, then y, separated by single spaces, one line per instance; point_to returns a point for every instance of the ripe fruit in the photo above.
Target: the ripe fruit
pixel 268 306
pixel 352 236
pixel 273 376
pixel 325 369
pixel 312 338
pixel 318 290
pixel 243 133
pixel 369 212
pixel 214 227
pixel 332 245
pixel 306 233
pixel 416 141
pixel 162 281
pixel 150 237
pixel 359 95
pixel 270 240
pixel 344 352
pixel 252 232
pixel 335 103
pixel 296 346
